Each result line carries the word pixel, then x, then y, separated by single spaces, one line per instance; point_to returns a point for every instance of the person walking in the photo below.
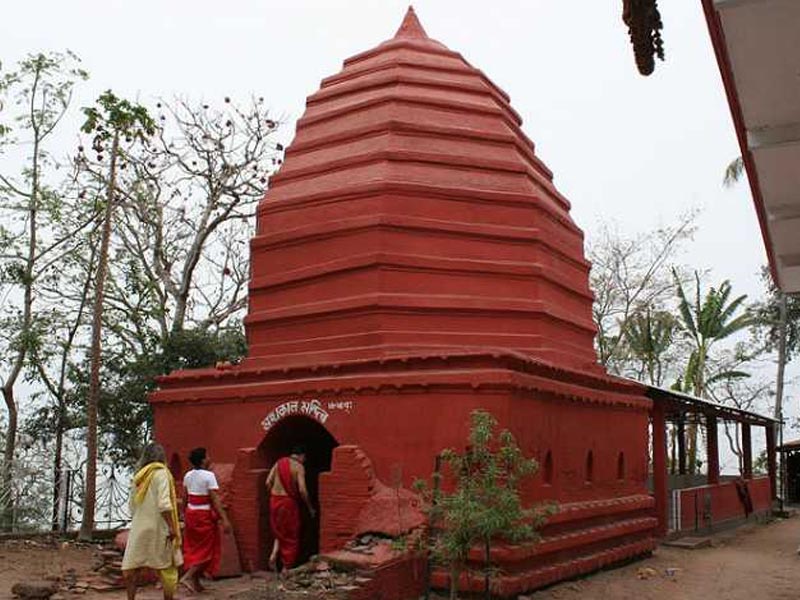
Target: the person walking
pixel 202 542
pixel 286 484
pixel 154 538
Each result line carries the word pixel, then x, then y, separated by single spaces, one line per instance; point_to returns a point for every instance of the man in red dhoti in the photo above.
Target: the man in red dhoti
pixel 202 542
pixel 286 484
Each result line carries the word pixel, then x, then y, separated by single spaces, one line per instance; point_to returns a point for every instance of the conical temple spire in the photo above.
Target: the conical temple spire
pixel 411 27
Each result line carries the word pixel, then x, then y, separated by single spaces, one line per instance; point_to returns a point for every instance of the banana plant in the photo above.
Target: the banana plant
pixel 705 321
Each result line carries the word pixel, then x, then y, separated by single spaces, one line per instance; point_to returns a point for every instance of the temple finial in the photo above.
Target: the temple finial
pixel 411 27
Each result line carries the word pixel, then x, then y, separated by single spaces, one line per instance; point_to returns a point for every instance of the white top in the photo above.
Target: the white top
pixel 199 482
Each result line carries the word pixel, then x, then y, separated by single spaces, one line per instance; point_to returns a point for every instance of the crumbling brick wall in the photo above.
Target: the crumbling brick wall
pixel 354 501
pixel 344 491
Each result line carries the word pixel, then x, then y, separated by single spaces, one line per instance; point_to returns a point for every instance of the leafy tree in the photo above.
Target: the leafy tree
pixel 779 313
pixel 649 337
pixel 484 504
pixel 150 233
pixel 652 352
pixel 54 361
pixel 38 95
pixel 777 318
pixel 113 121
pixel 126 418
pixel 704 323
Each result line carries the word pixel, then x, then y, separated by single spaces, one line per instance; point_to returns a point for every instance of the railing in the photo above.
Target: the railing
pixel 111 507
pixel 56 503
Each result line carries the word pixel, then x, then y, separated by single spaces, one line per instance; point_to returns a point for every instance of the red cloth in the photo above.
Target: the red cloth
pixel 284 518
pixel 202 542
pixel 284 515
pixel 197 500
pixel 284 467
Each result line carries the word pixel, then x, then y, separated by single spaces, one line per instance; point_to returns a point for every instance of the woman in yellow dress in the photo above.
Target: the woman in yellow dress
pixel 154 539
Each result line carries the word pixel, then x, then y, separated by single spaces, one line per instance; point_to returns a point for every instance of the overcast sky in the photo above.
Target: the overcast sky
pixel 624 148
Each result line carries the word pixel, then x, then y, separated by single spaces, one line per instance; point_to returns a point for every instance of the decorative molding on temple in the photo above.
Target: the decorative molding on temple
pixel 411 151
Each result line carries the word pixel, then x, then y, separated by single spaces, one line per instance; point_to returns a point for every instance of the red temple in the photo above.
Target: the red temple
pixel 413 261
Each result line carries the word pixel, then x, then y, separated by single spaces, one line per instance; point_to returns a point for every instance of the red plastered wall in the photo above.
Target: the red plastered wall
pixel 706 506
pixel 402 433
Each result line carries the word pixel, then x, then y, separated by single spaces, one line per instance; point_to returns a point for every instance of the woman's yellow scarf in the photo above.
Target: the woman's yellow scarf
pixel 142 481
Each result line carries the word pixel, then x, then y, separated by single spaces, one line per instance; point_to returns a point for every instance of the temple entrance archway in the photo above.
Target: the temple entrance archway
pixel 289 432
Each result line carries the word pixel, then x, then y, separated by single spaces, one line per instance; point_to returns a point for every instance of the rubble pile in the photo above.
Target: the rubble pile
pixel 105 575
pixel 320 578
pixel 108 569
pixel 367 543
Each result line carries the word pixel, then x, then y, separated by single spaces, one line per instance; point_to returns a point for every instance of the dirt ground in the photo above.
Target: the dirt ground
pixel 754 562
pixel 757 562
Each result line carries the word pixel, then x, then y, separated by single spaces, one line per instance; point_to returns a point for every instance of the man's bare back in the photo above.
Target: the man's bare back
pixel 274 484
pixel 298 471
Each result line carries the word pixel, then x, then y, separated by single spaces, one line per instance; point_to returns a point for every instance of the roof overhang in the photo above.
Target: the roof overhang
pixel 789 447
pixel 678 405
pixel 756 44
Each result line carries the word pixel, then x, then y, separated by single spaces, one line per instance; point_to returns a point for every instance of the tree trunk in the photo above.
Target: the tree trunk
pixel 782 318
pixel 6 496
pixel 60 393
pixel 89 499
pixel 781 357
pixel 699 392
pixel 57 460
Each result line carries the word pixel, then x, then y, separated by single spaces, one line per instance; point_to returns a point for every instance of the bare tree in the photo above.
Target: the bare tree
pixel 629 276
pixel 184 202
pixel 190 199
pixel 743 394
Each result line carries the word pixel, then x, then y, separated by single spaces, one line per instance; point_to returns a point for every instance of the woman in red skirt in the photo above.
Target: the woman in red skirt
pixel 202 542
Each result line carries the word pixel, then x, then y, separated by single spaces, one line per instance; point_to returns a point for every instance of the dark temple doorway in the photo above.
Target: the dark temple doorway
pixel 319 444
pixel 791 457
